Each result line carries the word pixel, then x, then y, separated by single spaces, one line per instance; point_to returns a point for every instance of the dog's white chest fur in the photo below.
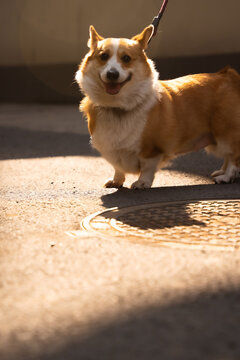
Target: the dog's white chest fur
pixel 117 136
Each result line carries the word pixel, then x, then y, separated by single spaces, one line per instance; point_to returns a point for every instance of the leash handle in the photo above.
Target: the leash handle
pixel 157 18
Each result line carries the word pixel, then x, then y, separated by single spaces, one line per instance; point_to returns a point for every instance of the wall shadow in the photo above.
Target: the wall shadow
pixel 204 326
pixel 17 143
pixel 207 327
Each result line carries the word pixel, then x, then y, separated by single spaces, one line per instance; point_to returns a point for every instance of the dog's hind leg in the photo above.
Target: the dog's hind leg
pixel 223 168
pixel 231 173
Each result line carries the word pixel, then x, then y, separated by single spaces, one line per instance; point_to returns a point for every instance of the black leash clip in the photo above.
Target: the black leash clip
pixel 157 19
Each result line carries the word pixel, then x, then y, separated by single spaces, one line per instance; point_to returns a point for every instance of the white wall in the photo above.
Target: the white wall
pixel 55 31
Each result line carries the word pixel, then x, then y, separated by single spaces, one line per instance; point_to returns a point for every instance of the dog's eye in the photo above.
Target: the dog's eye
pixel 126 58
pixel 104 56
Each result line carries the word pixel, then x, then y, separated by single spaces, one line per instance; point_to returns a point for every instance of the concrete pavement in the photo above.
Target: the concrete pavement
pixel 86 297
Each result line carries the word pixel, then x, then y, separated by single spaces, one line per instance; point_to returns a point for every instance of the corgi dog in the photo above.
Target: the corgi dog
pixel 138 122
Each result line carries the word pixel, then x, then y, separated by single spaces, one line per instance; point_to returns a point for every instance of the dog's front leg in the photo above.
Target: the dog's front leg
pixel 117 181
pixel 148 168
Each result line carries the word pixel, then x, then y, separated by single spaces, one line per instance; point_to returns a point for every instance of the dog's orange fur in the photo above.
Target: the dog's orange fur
pixel 194 112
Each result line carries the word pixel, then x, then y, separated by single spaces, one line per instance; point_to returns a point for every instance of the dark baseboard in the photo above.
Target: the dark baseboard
pixel 43 83
pixel 55 83
pixel 174 67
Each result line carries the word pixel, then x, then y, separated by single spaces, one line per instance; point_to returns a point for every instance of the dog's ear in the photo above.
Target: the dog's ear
pixel 144 37
pixel 94 38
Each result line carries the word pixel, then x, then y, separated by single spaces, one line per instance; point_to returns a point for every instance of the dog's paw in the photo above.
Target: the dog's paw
pixel 223 179
pixel 217 173
pixel 112 184
pixel 141 184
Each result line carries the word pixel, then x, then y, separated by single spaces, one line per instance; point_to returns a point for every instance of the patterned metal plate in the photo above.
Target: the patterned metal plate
pixel 199 224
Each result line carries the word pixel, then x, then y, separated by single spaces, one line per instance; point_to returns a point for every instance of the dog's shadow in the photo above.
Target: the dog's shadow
pixel 155 217
pixel 156 208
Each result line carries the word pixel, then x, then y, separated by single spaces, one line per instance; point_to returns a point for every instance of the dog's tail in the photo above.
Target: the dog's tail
pixel 229 71
pixel 232 74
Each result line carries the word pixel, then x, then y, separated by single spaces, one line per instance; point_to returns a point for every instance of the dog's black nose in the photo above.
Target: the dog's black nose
pixel 112 74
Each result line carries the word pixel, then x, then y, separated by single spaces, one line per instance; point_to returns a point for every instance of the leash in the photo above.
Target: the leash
pixel 157 18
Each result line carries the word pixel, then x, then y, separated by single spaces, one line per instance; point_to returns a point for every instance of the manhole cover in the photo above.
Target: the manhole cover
pixel 212 223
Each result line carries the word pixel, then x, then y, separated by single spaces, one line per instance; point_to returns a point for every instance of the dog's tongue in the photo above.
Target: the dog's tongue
pixel 112 88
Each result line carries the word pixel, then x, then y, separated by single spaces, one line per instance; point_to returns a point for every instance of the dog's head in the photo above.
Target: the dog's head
pixel 117 72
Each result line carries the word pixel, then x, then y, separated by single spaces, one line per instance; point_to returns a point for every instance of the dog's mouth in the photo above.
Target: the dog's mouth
pixel 113 88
